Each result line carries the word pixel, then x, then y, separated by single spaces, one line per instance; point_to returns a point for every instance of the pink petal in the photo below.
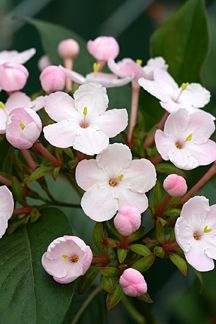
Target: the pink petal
pixel 90 141
pixel 163 144
pixel 61 134
pixel 195 95
pixel 108 80
pixel 60 106
pixel 99 204
pixel 184 230
pixel 3 120
pixel 88 174
pixel 112 122
pixel 195 210
pixel 198 259
pixel 177 123
pixel 201 126
pixel 127 197
pixel 17 100
pixel 204 153
pixel 24 56
pixel 183 158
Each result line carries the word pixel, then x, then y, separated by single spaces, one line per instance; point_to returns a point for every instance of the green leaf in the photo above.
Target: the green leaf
pixel 178 42
pixel 108 271
pixel 159 251
pixel 52 34
pixel 27 293
pixel 107 284
pixel 146 298
pixel 38 173
pixel 179 262
pixel 167 168
pixel 114 298
pixel 140 249
pixel 99 234
pixel 175 212
pixel 122 254
pixel 86 281
pixel 160 231
pixel 144 264
pixel 136 235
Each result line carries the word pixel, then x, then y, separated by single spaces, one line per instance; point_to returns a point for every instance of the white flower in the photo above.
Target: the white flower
pixel 6 208
pixel 195 232
pixel 16 57
pixel 83 123
pixel 112 181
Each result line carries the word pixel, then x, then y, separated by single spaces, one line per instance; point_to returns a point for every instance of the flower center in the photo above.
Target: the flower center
pixel 180 144
pixel 139 62
pixel 74 258
pixel 114 181
pixel 197 235
pixel 22 126
pixel 183 87
pixel 2 106
pixel 84 123
pixel 96 67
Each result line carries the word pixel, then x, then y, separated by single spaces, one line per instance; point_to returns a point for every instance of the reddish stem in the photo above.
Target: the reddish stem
pixel 160 210
pixel 170 246
pixel 68 63
pixel 134 109
pixel 156 159
pixel 100 259
pixel 205 178
pixel 123 244
pixel 5 181
pixel 151 137
pixel 44 152
pixel 22 210
pixel 27 156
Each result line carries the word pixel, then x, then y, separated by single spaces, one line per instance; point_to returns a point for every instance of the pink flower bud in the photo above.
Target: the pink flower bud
pixel 52 79
pixel 133 283
pixel 43 62
pixel 23 128
pixel 175 185
pixel 103 48
pixel 127 221
pixel 68 48
pixel 13 76
pixel 67 258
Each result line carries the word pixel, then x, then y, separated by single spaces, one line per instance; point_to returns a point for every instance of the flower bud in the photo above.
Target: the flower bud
pixel 127 221
pixel 68 48
pixel 52 79
pixel 175 185
pixel 43 62
pixel 103 48
pixel 13 76
pixel 133 283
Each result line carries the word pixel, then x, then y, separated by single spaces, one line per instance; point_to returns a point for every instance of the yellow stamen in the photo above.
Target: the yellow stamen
pixel 74 258
pixel 66 257
pixel 197 236
pixel 188 138
pixel 184 85
pixel 22 126
pixel 120 177
pixel 96 67
pixel 1 105
pixel 139 62
pixel 85 111
pixel 207 229
pixel 113 182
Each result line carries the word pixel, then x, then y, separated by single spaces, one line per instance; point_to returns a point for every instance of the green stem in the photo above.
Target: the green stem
pixel 137 317
pixel 85 304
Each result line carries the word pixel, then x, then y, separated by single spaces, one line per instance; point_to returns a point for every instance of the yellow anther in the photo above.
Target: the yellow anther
pixel 139 62
pixel 120 177
pixel 207 229
pixel 22 126
pixel 184 85
pixel 66 257
pixel 188 138
pixel 74 258
pixel 1 105
pixel 96 67
pixel 85 111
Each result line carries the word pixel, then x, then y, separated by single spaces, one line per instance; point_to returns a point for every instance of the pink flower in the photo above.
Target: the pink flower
pixel 127 221
pixel 6 210
pixel 15 57
pixel 113 181
pixel 23 128
pixel 126 68
pixel 13 76
pixel 68 48
pixel 133 283
pixel 44 62
pixel 172 97
pixel 152 65
pixel 175 185
pixel 52 79
pixel 195 232
pixel 185 139
pixel 67 258
pixel 83 123
pixel 103 48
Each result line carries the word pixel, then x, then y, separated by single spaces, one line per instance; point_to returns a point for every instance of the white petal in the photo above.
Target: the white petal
pixel 184 230
pixel 99 204
pixel 195 210
pixel 163 144
pixel 115 159
pixel 37 104
pixel 90 141
pixel 108 80
pixel 198 259
pixel 3 120
pixel 204 153
pixel 17 100
pixel 112 122
pixel 201 126
pixel 127 197
pixel 93 96
pixel 140 176
pixel 88 174
pixel 183 158
pixel 60 106
pixel 61 134
pixel 195 95
pixel 6 208
pixel 74 76
pixel 177 123
pixel 23 57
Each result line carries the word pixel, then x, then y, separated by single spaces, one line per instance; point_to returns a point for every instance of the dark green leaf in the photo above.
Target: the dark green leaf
pixel 86 281
pixel 179 262
pixel 114 298
pixel 122 254
pixel 144 264
pixel 38 173
pixel 140 249
pixel 108 271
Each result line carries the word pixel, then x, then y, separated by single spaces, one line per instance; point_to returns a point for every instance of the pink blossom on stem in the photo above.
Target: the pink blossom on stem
pixel 44 62
pixel 67 258
pixel 126 68
pixel 133 283
pixel 112 181
pixel 52 79
pixel 153 64
pixel 13 76
pixel 175 185
pixel 103 48
pixel 68 48
pixel 127 220
pixel 6 210
pixel 195 232
pixel 185 139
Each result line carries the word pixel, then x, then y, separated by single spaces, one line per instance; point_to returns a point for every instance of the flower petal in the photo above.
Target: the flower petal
pixel 127 197
pixel 3 120
pixel 17 100
pixel 108 80
pixel 183 158
pixel 61 134
pixel 99 204
pixel 204 153
pixel 177 123
pixel 90 141
pixel 195 95
pixel 163 144
pixel 201 126
pixel 74 76
pixel 195 210
pixel 6 210
pixel 198 259
pixel 23 57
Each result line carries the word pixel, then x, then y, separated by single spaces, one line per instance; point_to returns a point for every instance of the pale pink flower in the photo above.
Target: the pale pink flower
pixel 52 79
pixel 152 65
pixel 68 48
pixel 67 258
pixel 133 283
pixel 112 181
pixel 103 48
pixel 195 232
pixel 16 57
pixel 43 62
pixel 83 122
pixel 6 210
pixel 172 97
pixel 126 68
pixel 175 185
pixel 127 220
pixel 185 139
pixel 23 128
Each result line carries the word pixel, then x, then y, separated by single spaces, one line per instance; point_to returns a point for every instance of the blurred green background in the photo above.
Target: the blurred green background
pixel 177 299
